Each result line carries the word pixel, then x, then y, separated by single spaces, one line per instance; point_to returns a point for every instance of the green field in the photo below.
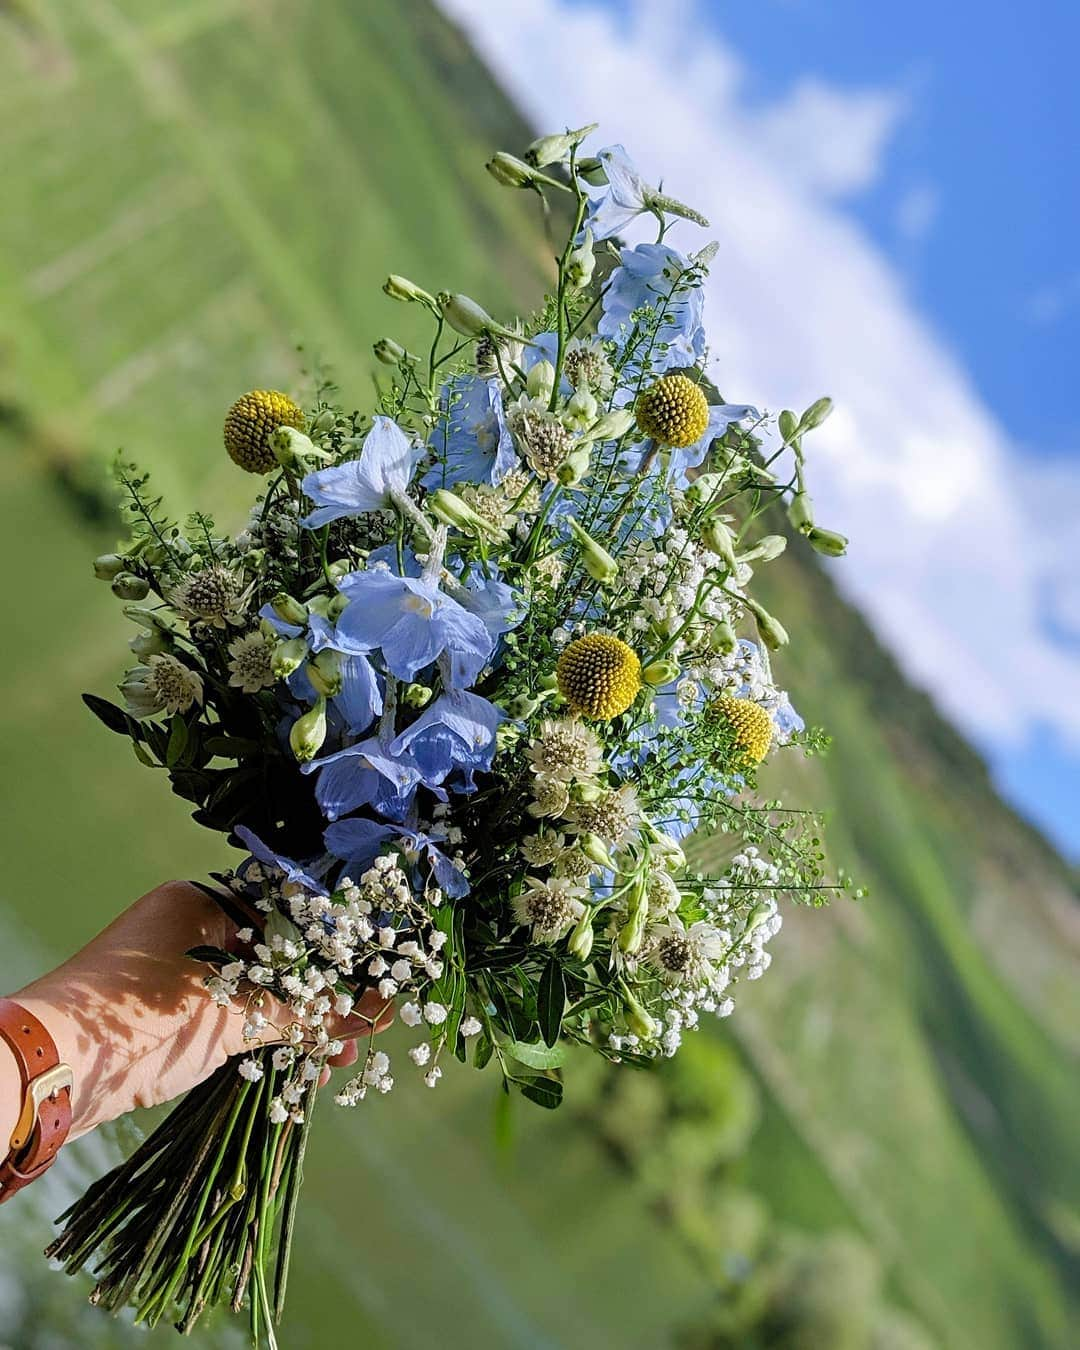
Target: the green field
pixel 191 191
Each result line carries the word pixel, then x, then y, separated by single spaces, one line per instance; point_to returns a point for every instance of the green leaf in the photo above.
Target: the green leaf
pixel 178 739
pixel 536 1056
pixel 277 925
pixel 545 1092
pixel 231 747
pixel 144 757
pixel 214 956
pixel 551 1000
pixel 482 1051
pixel 113 717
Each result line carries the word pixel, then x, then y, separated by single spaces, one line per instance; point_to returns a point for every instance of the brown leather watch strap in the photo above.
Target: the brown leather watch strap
pixel 45 1118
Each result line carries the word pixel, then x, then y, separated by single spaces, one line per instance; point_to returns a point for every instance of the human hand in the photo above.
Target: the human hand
pixel 130 1015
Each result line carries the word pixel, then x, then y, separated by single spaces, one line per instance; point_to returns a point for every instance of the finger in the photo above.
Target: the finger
pixel 348 1056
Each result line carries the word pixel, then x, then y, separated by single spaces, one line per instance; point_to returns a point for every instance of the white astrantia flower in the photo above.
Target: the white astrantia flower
pixel 685 955
pixel 551 797
pixel 541 850
pixel 214 597
pixel 613 816
pixel 162 684
pixel 250 659
pixel 566 750
pixel 550 908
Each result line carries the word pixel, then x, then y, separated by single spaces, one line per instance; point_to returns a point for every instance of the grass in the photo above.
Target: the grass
pixel 191 191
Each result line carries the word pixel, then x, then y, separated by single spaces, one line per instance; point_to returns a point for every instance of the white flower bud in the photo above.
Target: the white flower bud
pixel 389 352
pixel 289 610
pixel 828 542
pixel 612 426
pixel 581 410
pixel 108 566
pixel 466 317
pixel 324 672
pixel 127 586
pixel 581 263
pixel 547 150
pixel 540 381
pixel 289 445
pixel 514 172
pixel 801 512
pixel 658 673
pixel 287 657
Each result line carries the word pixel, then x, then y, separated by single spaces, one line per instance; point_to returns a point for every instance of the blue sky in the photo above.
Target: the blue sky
pixel 899 226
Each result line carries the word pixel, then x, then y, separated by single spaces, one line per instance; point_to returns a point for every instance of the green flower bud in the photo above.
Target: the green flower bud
pixel 340 567
pixel 830 543
pixel 307 733
pixel 416 695
pixel 631 934
pixel 467 318
pixel 147 617
pixel 581 410
pixel 336 608
pixel 587 792
pixel 289 610
pixel 150 644
pixel 658 673
pixel 716 536
pixel 815 414
pixel 581 939
pixel 108 566
pixel 574 467
pixel 450 509
pixel 599 563
pixel 705 488
pixel 389 352
pixel 324 422
pixel 513 172
pixel 801 512
pixel 767 549
pixel 288 656
pixel 593 847
pixel 612 426
pixel 325 674
pixel 669 851
pixel 638 1020
pixel 547 150
pixel 771 631
pixel 592 170
pixel 127 586
pixel 722 639
pixel 290 445
pixel 522 707
pixel 788 425
pixel 581 263
pixel 401 288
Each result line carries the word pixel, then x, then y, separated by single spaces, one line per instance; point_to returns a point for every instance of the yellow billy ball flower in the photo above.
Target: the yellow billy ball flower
pixel 673 411
pixel 250 421
pixel 751 725
pixel 599 676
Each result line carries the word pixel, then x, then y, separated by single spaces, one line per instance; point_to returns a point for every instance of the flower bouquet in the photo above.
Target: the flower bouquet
pixel 475 667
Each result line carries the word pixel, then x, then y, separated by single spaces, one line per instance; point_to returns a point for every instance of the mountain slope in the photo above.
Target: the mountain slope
pixel 194 189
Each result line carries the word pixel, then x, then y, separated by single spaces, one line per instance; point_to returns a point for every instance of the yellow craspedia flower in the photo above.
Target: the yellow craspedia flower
pixel 599 676
pixel 250 421
pixel 673 411
pixel 750 723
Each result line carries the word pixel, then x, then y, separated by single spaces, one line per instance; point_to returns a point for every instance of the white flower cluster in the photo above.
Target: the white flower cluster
pixel 697 962
pixel 665 576
pixel 297 985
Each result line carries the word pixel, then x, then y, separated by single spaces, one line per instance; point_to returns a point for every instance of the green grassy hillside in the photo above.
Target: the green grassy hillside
pixel 190 191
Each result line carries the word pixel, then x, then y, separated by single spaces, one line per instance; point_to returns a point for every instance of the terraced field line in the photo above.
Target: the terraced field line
pixel 164 199
pixel 168 101
pixel 783 1084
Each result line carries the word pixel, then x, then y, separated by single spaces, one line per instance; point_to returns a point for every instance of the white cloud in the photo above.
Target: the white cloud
pixel 954 558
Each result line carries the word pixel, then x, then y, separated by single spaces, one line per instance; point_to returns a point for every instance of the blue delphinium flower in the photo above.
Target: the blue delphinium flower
pixel 492 600
pixel 360 699
pixel 303 874
pixel 366 774
pixel 653 275
pixel 455 734
pixel 625 199
pixel 385 466
pixel 357 843
pixel 474 445
pixel 412 623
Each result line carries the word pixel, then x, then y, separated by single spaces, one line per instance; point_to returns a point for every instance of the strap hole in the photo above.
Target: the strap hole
pixel 26 1031
pixel 39 1052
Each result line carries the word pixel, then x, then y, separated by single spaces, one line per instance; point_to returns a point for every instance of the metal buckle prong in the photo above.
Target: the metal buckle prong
pixel 46 1085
